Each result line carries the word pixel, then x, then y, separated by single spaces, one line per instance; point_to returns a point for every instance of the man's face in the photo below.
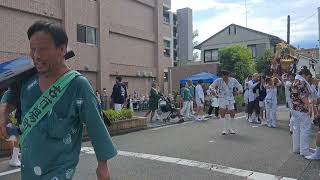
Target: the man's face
pixel 291 78
pixel 308 78
pixel 46 56
pixel 225 77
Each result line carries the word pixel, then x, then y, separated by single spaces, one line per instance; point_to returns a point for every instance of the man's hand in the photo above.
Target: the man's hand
pixel 103 171
pixel 3 130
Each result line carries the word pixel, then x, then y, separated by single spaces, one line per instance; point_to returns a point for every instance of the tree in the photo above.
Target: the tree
pixel 238 60
pixel 263 63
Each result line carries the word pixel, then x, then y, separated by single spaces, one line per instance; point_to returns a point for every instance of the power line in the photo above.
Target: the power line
pixel 299 22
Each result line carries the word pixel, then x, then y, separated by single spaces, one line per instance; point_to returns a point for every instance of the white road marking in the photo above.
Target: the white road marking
pixel 173 125
pixel 10 172
pixel 250 175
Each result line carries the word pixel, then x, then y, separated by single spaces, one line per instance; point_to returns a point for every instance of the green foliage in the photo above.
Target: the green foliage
pixel 238 60
pixel 263 63
pixel 112 115
pixel 239 101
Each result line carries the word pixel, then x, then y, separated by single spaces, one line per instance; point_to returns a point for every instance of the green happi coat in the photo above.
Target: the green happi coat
pixel 51 150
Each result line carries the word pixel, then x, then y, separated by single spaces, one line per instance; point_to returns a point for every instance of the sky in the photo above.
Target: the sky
pixel 268 16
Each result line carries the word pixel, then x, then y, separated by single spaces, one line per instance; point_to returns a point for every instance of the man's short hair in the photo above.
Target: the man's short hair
pixel 57 33
pixel 305 71
pixel 118 78
pixel 200 81
pixel 225 73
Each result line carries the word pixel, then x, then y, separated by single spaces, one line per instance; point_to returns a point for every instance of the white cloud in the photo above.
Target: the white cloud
pixel 269 21
pixel 204 5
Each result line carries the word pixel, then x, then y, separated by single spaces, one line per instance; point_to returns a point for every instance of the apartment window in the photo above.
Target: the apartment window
pixel 253 49
pixel 211 55
pixel 165 76
pixel 166 15
pixel 86 34
pixel 167 48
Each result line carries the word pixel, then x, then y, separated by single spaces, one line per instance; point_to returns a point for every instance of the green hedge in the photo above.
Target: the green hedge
pixel 113 116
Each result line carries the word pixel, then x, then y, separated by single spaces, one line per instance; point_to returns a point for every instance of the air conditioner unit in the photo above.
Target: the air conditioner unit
pixel 150 74
pixel 139 73
pixel 145 74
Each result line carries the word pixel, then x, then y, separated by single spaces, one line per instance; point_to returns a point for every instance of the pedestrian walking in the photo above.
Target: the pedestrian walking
pixel 253 105
pixel 104 99
pixel 193 95
pixel 271 102
pixel 214 103
pixel 199 101
pixel 287 81
pixel 154 98
pixel 224 87
pixel 260 94
pixel 186 97
pixel 63 101
pixel 119 94
pixel 300 92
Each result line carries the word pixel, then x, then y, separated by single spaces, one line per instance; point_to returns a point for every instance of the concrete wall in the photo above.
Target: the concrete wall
pixel 13 37
pixel 178 73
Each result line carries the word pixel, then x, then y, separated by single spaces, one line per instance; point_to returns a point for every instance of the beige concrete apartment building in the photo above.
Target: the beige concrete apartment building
pixel 110 37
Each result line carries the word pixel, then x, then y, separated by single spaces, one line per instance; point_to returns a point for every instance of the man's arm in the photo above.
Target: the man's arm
pixel 113 92
pixel 239 86
pixel 126 92
pixel 7 105
pixel 97 131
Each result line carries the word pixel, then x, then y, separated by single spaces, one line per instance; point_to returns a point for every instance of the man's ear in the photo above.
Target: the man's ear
pixel 63 50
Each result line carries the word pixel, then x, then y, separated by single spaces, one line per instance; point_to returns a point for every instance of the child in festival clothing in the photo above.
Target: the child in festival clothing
pixel 271 102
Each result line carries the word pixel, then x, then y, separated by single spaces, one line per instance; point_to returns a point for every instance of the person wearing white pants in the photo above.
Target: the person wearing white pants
pixel 186 97
pixel 300 93
pixel 226 87
pixel 288 80
pixel 271 103
pixel 200 101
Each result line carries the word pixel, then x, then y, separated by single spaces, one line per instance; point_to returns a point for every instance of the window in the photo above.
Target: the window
pixel 165 76
pixel 86 34
pixel 211 55
pixel 167 48
pixel 253 49
pixel 166 15
pixel 81 34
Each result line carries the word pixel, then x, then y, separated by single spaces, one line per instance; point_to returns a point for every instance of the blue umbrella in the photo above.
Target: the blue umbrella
pixel 206 77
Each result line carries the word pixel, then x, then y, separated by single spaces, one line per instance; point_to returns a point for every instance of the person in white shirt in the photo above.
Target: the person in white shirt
pixel 253 106
pixel 245 95
pixel 199 100
pixel 225 90
pixel 271 101
pixel 288 80
pixel 214 103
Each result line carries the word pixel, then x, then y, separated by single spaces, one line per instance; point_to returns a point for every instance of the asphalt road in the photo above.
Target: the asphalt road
pixel 197 150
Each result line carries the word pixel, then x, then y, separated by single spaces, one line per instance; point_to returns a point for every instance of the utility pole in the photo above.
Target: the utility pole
pixel 319 30
pixel 288 30
pixel 245 5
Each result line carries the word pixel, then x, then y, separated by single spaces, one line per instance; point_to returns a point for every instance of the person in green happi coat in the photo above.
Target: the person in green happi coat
pixel 154 98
